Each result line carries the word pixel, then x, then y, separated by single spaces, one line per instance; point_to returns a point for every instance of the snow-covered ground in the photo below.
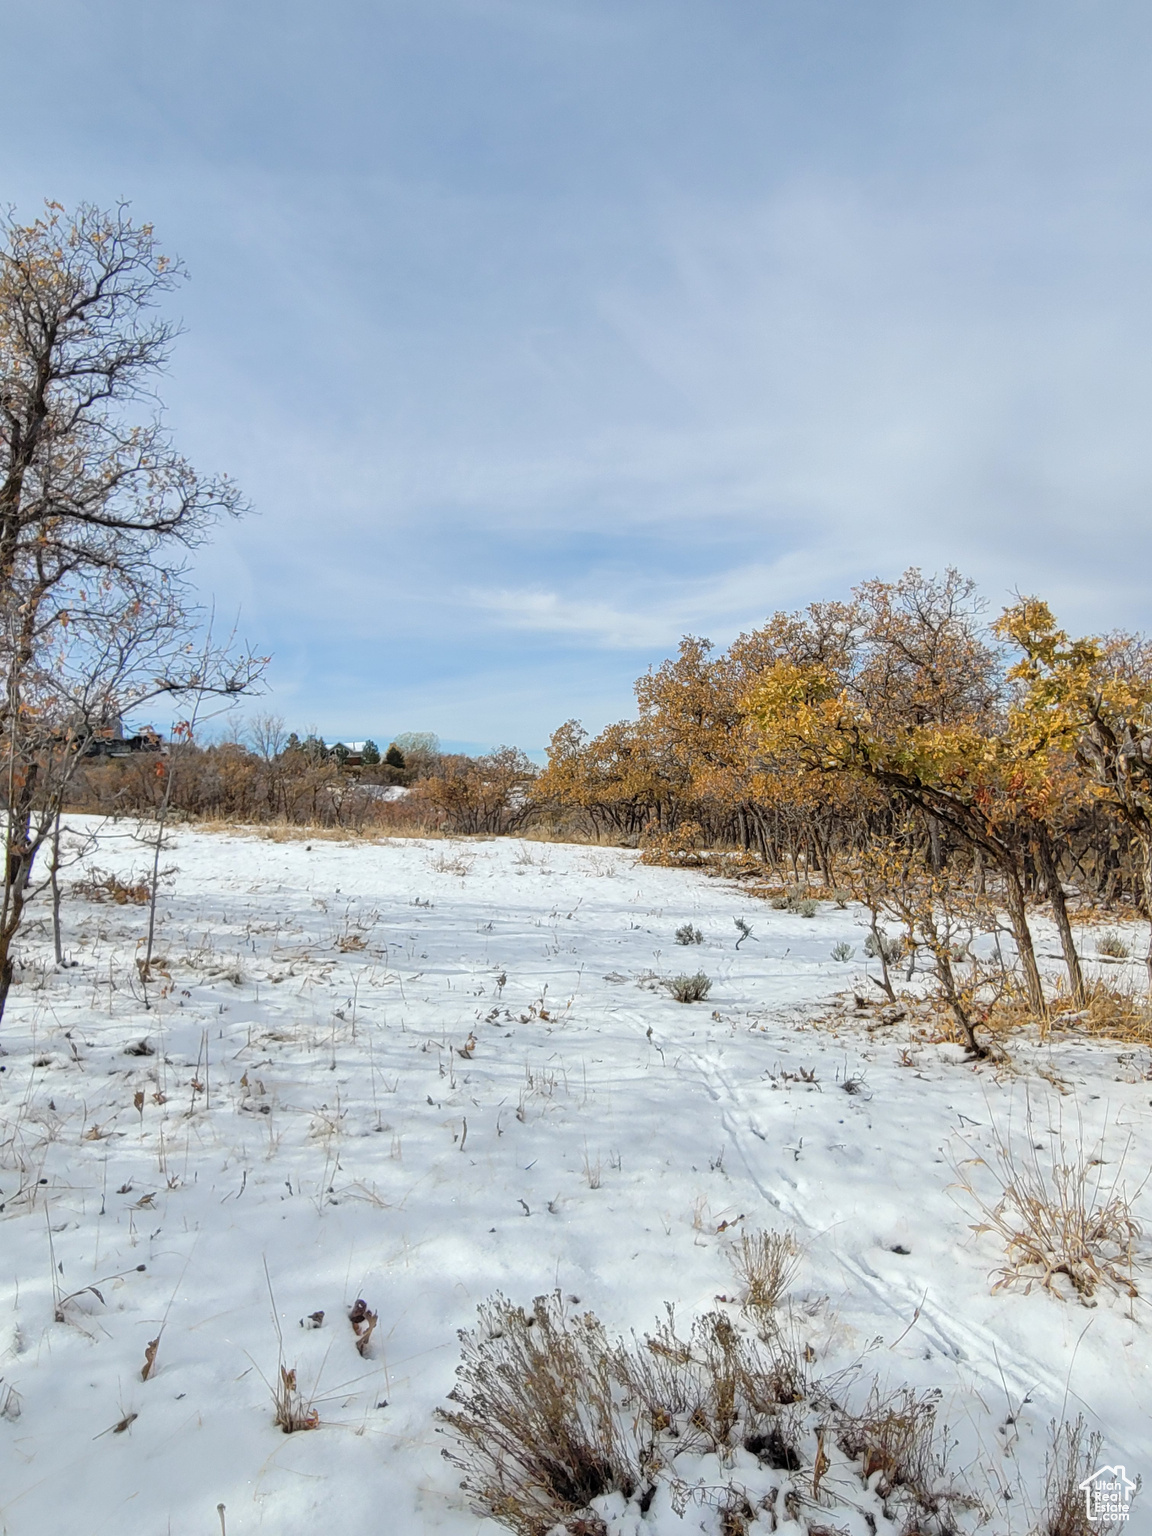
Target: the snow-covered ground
pixel 431 1071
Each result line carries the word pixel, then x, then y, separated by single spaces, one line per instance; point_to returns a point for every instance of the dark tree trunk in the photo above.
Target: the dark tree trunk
pixel 1046 861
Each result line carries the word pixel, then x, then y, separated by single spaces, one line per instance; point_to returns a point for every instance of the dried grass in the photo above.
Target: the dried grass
pixel 900 1451
pixel 315 832
pixel 452 863
pixel 1111 1011
pixel 1112 945
pixel 1074 1455
pixel 293 1411
pixel 550 1415
pixel 99 885
pixel 1057 1212
pixel 535 1423
pixel 765 1264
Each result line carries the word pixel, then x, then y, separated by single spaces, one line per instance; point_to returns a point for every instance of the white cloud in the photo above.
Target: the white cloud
pixel 642 326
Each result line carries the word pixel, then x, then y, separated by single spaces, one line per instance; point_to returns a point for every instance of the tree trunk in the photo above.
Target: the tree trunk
pixel 952 995
pixel 1146 872
pixel 1047 863
pixel 19 855
pixel 8 934
pixel 1018 916
pixel 878 943
pixel 55 874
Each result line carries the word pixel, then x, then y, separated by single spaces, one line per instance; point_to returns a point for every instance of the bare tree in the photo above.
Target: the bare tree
pixel 96 511
pixel 267 735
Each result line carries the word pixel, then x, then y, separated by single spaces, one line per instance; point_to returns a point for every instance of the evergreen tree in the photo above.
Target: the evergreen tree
pixel 370 754
pixel 394 757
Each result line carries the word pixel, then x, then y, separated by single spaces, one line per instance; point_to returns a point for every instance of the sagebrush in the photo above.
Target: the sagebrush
pixel 551 1418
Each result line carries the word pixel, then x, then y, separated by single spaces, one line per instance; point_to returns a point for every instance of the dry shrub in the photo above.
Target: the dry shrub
pixel 98 885
pixel 765 1264
pixel 797 901
pixel 896 1441
pixel 550 1415
pixel 674 850
pixel 716 1389
pixel 452 863
pixel 293 1411
pixel 1112 945
pixel 535 1423
pixel 1109 1011
pixel 1057 1214
pixel 736 1513
pixel 689 989
pixel 1074 1455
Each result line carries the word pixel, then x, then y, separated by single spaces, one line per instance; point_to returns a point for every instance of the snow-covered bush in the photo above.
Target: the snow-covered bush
pixel 689 989
pixel 560 1429
pixel 882 944
pixel 1064 1221
pixel 1112 945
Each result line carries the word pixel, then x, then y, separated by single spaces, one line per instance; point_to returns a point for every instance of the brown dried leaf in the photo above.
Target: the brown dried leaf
pixel 149 1358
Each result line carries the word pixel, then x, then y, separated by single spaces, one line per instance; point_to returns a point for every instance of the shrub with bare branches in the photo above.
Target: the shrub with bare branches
pixel 535 1419
pixel 895 1439
pixel 554 1424
pixel 1072 1458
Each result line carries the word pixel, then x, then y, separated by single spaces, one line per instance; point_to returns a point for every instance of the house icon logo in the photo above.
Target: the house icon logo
pixel 1108 1493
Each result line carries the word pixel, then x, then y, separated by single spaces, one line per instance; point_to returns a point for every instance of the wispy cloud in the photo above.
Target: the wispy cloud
pixel 540 336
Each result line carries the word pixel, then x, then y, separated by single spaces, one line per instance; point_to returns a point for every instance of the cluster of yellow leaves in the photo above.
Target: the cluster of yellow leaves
pixel 1091 698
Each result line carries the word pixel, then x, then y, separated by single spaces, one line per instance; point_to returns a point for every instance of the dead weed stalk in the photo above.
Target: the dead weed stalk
pixel 1072 1458
pixel 900 1450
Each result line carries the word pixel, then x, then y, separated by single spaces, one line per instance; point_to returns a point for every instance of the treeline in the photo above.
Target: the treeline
pixel 948 772
pixel 898 730
pixel 268 776
pixel 808 739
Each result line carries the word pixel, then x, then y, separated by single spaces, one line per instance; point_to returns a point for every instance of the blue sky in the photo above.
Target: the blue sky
pixel 540 332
